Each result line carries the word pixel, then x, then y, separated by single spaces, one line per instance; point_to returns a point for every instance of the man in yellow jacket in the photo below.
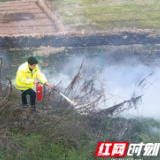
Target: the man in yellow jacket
pixel 26 78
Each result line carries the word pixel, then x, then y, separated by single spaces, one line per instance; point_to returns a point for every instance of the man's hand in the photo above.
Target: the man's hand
pixel 35 82
pixel 49 85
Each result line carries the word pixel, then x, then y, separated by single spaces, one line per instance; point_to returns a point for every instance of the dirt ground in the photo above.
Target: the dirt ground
pixel 34 18
pixel 26 18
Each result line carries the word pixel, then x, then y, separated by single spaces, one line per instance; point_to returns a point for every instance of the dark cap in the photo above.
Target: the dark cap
pixel 32 60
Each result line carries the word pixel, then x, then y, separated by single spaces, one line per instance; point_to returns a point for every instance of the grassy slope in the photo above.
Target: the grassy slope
pixel 109 14
pixel 35 146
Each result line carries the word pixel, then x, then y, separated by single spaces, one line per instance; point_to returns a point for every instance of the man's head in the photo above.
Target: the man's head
pixel 32 62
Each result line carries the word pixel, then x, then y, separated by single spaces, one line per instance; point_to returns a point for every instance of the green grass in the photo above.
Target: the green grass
pixel 109 14
pixel 20 144
pixel 36 146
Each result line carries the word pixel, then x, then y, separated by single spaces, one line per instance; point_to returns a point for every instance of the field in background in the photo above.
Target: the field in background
pixel 108 14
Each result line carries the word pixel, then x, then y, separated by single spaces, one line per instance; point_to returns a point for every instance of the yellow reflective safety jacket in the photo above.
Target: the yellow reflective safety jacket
pixel 25 78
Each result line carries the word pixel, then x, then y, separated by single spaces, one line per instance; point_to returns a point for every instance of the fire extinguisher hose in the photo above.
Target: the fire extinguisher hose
pixel 70 101
pixel 65 97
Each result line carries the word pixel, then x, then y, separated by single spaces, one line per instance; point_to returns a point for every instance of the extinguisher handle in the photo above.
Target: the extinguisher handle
pixel 39 83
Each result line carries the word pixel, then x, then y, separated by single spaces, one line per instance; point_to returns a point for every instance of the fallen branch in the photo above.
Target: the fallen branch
pixel 119 107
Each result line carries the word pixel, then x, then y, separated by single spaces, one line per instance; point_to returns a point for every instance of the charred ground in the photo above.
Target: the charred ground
pixel 78 41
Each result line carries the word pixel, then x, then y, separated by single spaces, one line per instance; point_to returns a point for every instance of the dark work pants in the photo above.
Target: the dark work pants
pixel 32 94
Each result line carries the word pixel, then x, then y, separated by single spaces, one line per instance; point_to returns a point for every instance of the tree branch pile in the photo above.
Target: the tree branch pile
pixel 89 97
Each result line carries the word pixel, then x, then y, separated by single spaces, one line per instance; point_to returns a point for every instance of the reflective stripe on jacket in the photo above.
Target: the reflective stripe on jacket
pixel 25 78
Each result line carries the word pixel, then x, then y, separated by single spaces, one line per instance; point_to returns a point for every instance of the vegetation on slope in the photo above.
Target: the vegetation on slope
pixel 57 131
pixel 108 14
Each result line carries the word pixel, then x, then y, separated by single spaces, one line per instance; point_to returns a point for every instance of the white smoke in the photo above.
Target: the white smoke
pixel 5 72
pixel 120 82
pixel 154 130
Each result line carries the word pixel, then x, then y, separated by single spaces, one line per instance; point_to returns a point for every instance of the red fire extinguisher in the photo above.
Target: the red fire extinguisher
pixel 39 92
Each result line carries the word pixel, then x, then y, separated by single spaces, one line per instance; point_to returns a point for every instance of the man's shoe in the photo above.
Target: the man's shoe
pixel 33 108
pixel 24 105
